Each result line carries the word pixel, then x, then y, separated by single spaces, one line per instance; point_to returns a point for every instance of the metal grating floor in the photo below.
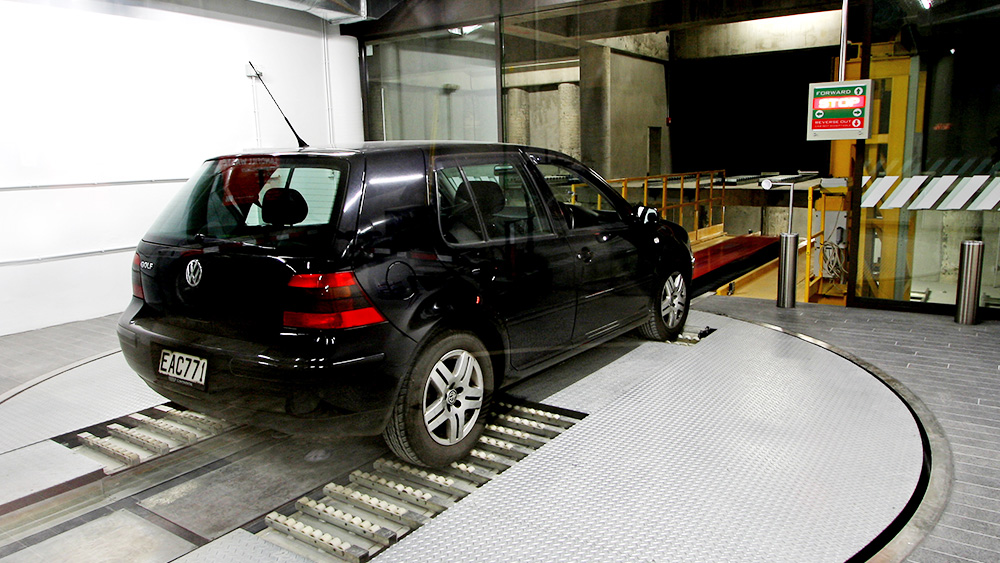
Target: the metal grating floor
pixel 79 397
pixel 751 446
pixel 955 371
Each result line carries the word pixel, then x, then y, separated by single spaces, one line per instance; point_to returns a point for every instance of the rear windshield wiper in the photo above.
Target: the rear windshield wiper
pixel 202 238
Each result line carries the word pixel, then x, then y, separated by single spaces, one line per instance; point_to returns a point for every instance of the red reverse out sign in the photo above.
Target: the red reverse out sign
pixel 839 110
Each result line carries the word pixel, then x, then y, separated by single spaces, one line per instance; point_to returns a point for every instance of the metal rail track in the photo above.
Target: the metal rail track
pixel 380 504
pixel 353 518
pixel 143 436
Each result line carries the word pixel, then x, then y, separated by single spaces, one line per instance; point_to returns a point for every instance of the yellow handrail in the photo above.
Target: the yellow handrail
pixel 674 198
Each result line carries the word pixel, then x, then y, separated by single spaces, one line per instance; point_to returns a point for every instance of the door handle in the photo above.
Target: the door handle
pixel 585 255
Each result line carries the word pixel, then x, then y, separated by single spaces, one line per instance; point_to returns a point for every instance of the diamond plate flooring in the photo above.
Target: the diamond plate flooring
pixel 27 355
pixel 751 446
pixel 91 393
pixel 954 369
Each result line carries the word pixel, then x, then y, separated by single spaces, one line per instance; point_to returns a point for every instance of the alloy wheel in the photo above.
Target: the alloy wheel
pixel 673 300
pixel 453 397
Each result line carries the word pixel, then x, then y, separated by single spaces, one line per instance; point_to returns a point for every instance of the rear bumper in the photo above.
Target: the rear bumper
pixel 297 384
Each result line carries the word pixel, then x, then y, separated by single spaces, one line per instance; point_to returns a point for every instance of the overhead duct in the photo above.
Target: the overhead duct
pixel 338 11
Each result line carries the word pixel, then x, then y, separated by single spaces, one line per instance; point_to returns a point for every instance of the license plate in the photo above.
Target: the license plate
pixel 184 367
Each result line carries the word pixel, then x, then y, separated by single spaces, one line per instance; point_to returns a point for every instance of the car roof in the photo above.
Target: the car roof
pixel 349 149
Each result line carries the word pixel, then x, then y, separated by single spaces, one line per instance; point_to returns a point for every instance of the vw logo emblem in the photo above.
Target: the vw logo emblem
pixel 192 273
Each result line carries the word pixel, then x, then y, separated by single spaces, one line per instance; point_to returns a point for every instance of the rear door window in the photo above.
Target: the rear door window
pixel 483 199
pixel 460 223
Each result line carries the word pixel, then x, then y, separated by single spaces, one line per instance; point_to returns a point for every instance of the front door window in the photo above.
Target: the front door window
pixel 609 270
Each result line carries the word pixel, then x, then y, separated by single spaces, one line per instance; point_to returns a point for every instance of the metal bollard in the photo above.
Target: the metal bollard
pixel 789 253
pixel 787 258
pixel 970 275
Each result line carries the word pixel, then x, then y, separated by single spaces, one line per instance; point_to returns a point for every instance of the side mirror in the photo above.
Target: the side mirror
pixel 647 215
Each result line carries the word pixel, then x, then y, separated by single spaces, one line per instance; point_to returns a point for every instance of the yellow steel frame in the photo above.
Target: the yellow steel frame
pixel 814 279
pixel 887 224
pixel 705 198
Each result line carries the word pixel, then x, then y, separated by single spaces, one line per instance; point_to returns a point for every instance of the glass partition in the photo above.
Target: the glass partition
pixel 637 91
pixel 931 164
pixel 436 85
pixel 584 81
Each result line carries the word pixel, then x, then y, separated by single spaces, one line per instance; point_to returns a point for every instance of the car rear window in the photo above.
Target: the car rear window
pixel 264 198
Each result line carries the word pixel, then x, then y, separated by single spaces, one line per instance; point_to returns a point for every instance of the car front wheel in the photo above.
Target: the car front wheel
pixel 439 411
pixel 670 308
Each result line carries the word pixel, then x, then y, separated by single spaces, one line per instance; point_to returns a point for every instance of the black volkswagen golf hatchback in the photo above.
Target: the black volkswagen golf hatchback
pixel 391 288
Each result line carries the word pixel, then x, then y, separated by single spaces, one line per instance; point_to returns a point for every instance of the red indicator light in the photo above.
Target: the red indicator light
pixel 839 102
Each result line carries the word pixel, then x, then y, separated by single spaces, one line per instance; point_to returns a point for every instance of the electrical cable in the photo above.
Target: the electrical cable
pixel 833 260
pixel 835 255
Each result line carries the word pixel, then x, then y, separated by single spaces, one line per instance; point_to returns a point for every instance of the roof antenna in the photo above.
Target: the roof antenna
pixel 302 144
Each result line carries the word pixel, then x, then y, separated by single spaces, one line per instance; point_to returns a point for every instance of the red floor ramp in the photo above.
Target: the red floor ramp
pixel 717 256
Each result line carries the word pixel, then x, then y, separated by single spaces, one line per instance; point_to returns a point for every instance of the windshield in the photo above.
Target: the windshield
pixel 260 198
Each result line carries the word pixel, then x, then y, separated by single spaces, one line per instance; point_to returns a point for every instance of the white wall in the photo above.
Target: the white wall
pixel 99 92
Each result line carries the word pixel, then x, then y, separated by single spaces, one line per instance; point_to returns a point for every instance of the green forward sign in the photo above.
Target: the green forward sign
pixel 839 110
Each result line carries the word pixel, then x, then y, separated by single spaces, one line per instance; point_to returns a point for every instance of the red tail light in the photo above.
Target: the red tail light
pixel 328 301
pixel 137 277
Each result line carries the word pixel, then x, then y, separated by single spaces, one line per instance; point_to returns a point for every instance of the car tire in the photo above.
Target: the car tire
pixel 669 308
pixel 440 409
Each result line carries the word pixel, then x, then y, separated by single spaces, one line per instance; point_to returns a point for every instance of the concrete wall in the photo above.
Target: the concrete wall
pixel 621 97
pixel 927 247
pixel 543 105
pixel 595 107
pixel 113 99
pixel 598 108
pixel 543 112
pixel 743 219
pixel 930 245
pixel 638 102
pixel 802 31
pixel 991 252
pixel 655 44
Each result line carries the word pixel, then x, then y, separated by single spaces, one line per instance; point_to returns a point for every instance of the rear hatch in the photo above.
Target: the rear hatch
pixel 219 258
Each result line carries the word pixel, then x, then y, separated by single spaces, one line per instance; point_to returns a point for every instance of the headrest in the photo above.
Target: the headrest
pixel 283 206
pixel 489 196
